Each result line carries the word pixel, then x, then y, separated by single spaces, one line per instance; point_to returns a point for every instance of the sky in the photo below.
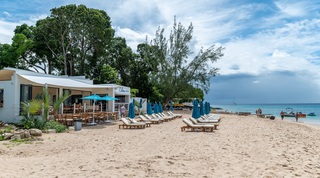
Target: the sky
pixel 271 47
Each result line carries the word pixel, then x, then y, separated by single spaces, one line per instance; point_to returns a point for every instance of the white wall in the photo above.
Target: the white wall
pixel 6 112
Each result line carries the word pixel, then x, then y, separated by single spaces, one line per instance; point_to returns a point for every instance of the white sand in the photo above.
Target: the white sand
pixel 243 146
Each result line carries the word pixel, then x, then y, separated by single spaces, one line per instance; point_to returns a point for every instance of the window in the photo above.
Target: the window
pixel 1 97
pixel 25 94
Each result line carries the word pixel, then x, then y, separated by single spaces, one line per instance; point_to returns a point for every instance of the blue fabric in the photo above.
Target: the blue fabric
pixel 92 97
pixel 131 113
pixel 108 98
pixel 195 110
pixel 201 108
pixel 149 108
pixel 206 108
pixel 156 108
pixel 140 103
pixel 171 106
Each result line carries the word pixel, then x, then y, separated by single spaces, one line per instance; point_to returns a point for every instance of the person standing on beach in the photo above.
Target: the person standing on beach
pixel 122 110
pixel 282 115
pixel 297 116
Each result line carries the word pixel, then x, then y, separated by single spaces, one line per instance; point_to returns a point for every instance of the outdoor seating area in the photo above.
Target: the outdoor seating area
pixel 67 119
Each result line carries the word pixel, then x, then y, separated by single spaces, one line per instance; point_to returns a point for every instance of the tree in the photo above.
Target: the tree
pixel 172 70
pixel 75 36
pixel 7 56
pixel 109 75
pixel 121 57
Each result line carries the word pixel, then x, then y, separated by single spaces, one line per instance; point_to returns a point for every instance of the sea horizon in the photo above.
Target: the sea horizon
pixel 275 109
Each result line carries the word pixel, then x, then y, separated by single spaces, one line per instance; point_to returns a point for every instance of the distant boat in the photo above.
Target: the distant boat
pixel 289 113
pixel 301 115
pixel 312 114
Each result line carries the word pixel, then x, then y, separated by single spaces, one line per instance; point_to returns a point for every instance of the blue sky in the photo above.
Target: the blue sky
pixel 272 48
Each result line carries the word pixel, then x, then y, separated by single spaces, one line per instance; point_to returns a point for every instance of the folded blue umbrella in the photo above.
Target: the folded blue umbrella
pixel 131 113
pixel 171 106
pixel 149 108
pixel 195 110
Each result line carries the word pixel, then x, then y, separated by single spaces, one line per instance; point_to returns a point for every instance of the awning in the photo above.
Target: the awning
pixel 60 82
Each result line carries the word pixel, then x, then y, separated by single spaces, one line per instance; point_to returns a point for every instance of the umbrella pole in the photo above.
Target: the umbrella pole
pixel 107 120
pixel 93 109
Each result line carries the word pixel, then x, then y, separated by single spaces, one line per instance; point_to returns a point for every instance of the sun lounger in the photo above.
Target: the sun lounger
pixel 133 121
pixel 193 127
pixel 173 114
pixel 165 119
pixel 153 121
pixel 212 117
pixel 167 116
pixel 202 120
pixel 150 117
pixel 195 121
pixel 157 116
pixel 127 125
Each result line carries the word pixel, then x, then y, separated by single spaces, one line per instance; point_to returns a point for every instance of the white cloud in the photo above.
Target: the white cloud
pixel 133 38
pixel 259 38
pixel 278 53
pixel 7 14
pixel 6 31
pixel 291 8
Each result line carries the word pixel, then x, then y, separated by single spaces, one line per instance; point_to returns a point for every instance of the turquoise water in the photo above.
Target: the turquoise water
pixel 275 110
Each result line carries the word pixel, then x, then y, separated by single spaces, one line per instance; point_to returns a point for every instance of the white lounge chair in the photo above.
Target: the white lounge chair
pixel 127 125
pixel 193 127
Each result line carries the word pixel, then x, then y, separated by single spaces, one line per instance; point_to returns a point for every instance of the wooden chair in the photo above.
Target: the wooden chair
pixel 69 119
pixel 85 118
pixel 60 118
pixel 116 115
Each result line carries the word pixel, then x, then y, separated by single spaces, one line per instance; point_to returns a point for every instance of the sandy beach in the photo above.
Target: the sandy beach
pixel 243 146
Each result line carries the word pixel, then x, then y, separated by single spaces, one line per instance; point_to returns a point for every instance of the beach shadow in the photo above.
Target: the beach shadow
pixel 99 126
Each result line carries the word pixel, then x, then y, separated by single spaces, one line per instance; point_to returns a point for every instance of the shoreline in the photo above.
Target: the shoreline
pixel 243 146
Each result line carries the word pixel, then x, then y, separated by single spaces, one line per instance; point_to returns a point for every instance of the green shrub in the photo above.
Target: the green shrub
pixel 8 129
pixel 55 125
pixel 31 122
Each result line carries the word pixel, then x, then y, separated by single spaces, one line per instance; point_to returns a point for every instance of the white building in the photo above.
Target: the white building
pixel 18 86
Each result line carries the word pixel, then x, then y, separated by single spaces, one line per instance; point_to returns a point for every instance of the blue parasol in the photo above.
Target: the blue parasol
pixel 202 112
pixel 195 110
pixel 206 108
pixel 108 98
pixel 93 97
pixel 131 113
pixel 149 108
pixel 171 106
pixel 140 104
pixel 156 108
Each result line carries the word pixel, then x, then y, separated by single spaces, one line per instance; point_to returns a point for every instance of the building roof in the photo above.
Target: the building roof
pixel 53 80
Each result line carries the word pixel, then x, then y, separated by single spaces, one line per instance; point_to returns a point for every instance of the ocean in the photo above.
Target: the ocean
pixel 275 110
